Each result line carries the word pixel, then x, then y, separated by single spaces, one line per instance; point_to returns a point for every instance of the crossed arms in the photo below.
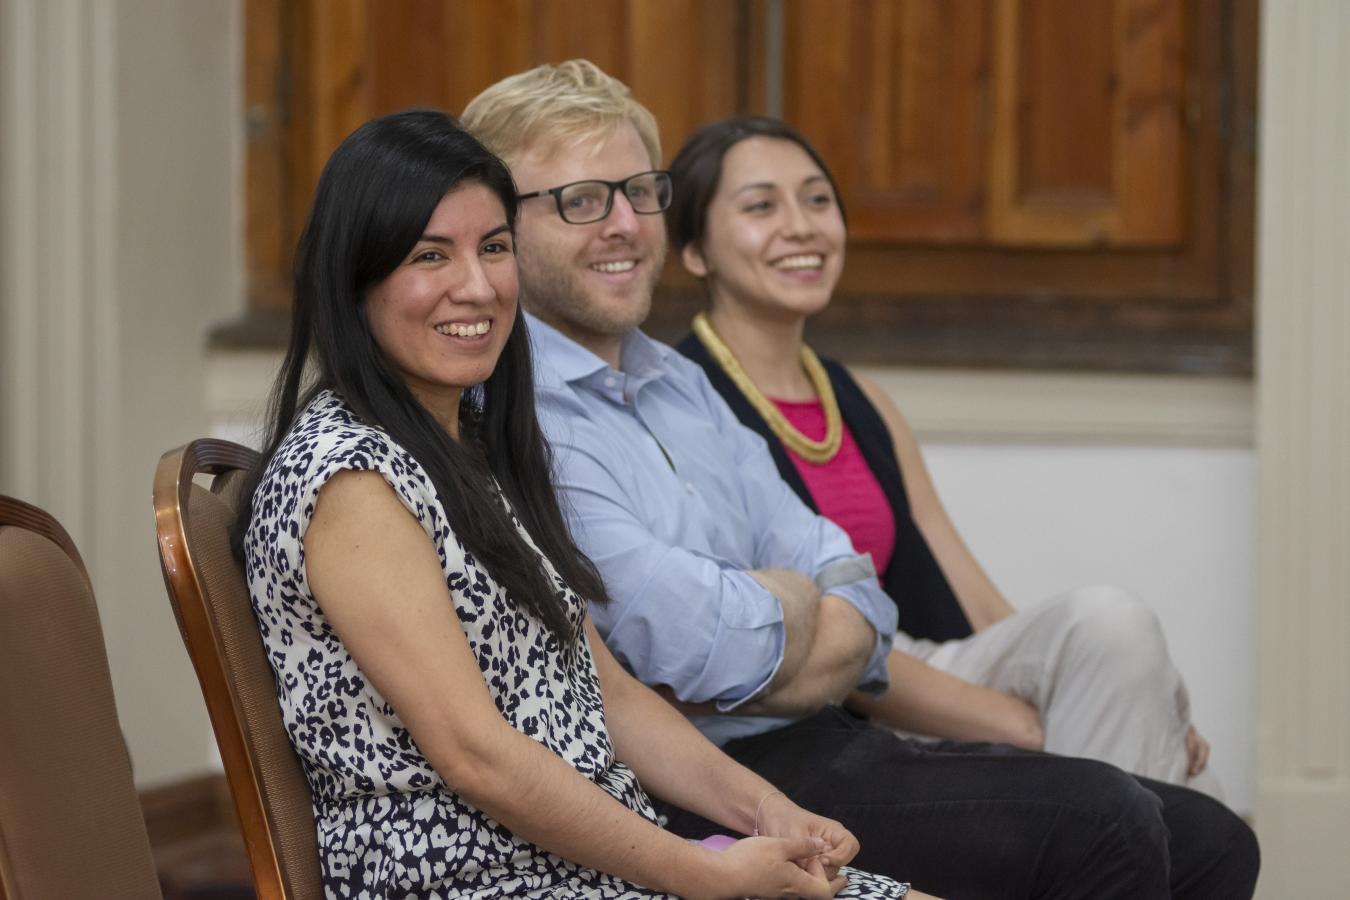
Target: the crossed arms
pixel 764 627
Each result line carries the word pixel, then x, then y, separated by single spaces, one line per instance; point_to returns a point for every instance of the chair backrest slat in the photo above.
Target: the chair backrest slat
pixel 71 825
pixel 210 598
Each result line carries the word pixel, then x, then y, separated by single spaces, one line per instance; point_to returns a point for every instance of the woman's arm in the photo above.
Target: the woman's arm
pixel 379 582
pixel 979 597
pixel 929 701
pixel 675 762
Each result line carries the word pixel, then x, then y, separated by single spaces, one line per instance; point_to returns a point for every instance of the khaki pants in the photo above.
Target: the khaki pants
pixel 1094 661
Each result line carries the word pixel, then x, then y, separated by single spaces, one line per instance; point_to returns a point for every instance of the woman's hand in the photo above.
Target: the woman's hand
pixel 770 867
pixel 1016 721
pixel 780 817
pixel 930 701
pixel 1197 752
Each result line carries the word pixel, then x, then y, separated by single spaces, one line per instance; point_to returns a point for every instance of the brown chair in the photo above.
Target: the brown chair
pixel 70 822
pixel 210 599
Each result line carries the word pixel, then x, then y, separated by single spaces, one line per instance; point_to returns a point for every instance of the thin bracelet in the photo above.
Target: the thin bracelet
pixel 755 833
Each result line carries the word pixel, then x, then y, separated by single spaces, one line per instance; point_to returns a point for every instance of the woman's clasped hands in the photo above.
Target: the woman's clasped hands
pixel 797 854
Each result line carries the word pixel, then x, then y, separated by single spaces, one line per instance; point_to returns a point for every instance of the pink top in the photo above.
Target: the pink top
pixel 844 488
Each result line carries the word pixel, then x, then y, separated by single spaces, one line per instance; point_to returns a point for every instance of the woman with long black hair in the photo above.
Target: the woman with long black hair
pixel 422 604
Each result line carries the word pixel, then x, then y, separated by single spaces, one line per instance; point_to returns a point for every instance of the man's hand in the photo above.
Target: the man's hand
pixel 800 599
pixel 843 644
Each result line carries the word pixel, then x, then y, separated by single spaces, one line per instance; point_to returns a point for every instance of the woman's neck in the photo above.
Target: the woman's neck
pixel 443 406
pixel 768 349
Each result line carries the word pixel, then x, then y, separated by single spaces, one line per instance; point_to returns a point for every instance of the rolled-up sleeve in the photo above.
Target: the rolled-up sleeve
pixel 878 608
pixel 679 618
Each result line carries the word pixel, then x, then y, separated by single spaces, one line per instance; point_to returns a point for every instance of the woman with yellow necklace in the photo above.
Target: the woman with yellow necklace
pixel 756 217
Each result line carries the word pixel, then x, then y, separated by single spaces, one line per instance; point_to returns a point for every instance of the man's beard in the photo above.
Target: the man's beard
pixel 555 292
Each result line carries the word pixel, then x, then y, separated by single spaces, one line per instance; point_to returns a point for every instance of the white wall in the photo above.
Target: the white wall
pixel 1172 525
pixel 120 244
pixel 1146 482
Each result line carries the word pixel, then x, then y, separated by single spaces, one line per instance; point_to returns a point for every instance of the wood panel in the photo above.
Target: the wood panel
pixel 988 225
pixel 683 64
pixel 269 235
pixel 1064 85
pixel 1153 121
pixel 892 93
pixel 319 68
pixel 485 42
pixel 327 95
pixel 594 29
pixel 360 58
pixel 408 50
pixel 1089 123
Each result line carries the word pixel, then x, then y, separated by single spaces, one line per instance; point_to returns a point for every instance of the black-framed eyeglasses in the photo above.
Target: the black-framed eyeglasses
pixel 583 202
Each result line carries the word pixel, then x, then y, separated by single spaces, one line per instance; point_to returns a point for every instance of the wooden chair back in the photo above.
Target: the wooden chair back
pixel 210 598
pixel 71 825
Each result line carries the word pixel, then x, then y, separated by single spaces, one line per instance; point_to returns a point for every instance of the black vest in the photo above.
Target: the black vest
pixel 927 606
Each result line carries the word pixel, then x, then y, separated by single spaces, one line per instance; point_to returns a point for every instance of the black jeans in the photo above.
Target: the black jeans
pixel 971 821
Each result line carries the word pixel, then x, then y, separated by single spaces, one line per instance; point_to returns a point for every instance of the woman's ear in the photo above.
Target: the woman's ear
pixel 694 263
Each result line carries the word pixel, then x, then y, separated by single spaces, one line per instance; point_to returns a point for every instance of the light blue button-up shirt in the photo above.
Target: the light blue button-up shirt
pixel 674 500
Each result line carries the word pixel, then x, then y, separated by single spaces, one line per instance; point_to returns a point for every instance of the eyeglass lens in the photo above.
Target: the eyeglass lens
pixel 589 201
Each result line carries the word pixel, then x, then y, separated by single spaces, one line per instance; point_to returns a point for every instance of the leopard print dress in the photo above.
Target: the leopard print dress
pixel 388 826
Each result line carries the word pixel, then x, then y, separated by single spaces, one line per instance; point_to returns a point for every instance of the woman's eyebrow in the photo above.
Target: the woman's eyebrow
pixel 757 186
pixel 449 241
pixel 770 186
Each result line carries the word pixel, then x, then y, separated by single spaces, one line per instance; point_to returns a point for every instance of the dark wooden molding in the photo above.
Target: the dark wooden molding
pixel 187 808
pixel 1084 334
pixel 195 839
pixel 254 329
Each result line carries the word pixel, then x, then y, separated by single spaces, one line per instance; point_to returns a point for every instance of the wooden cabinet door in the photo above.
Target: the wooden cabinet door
pixel 1089 133
pixel 892 93
pixel 1054 123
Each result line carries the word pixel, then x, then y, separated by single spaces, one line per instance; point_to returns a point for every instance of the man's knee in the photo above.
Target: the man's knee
pixel 1117 798
pixel 1242 859
pixel 1111 839
pixel 1214 853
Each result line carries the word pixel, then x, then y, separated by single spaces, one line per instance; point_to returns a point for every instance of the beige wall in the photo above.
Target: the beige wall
pixel 119 171
pixel 1303 445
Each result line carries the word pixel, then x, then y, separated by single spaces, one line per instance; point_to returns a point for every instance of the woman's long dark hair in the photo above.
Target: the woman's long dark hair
pixel 697 170
pixel 372 204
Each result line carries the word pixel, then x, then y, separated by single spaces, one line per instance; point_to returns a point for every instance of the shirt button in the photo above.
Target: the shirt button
pixel 689 487
pixel 611 381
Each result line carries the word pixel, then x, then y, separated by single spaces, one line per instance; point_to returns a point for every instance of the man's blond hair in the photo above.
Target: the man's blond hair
pixel 555 106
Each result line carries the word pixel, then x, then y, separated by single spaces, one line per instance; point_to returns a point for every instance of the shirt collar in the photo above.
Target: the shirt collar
pixel 641 360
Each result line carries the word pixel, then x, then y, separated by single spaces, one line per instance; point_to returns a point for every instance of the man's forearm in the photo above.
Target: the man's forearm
pixel 800 599
pixel 843 644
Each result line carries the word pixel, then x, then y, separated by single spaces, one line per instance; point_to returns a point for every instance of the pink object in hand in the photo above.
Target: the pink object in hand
pixel 718 842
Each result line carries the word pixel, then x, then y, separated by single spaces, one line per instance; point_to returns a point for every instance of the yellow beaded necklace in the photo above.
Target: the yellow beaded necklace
pixel 812 451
